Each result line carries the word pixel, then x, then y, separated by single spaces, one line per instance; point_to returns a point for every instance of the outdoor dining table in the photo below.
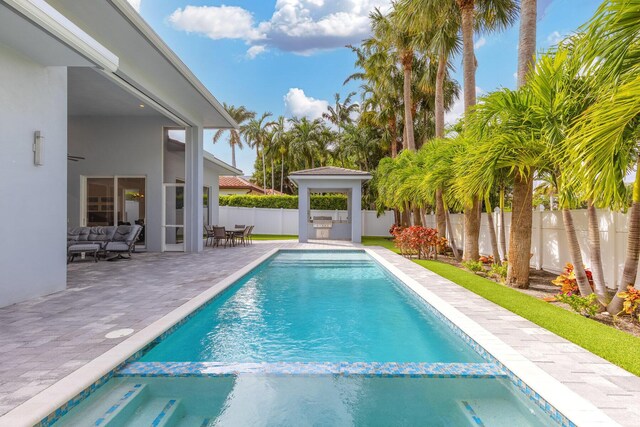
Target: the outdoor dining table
pixel 233 233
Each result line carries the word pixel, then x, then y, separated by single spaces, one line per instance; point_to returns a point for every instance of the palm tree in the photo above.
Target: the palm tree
pixel 604 140
pixel 340 114
pixel 280 142
pixel 256 133
pixel 395 36
pixel 240 115
pixel 306 136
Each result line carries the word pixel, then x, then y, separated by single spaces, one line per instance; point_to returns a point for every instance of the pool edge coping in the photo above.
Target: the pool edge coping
pixel 576 408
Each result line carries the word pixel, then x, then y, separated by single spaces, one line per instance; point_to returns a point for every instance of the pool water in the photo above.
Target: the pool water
pixel 318 338
pixel 315 307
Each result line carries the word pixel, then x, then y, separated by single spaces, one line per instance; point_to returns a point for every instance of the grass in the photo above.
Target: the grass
pixel 274 237
pixel 619 348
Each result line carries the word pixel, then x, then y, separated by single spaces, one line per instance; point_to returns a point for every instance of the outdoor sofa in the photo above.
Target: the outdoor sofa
pixel 102 240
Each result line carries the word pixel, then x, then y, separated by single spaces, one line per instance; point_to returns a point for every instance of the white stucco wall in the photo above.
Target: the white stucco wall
pixel 32 198
pixel 128 146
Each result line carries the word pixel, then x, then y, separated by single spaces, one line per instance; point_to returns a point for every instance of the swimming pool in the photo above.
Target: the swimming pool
pixel 311 338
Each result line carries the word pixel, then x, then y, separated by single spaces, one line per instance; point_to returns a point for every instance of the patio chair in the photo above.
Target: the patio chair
pixel 209 233
pixel 124 241
pixel 220 234
pixel 250 234
pixel 242 235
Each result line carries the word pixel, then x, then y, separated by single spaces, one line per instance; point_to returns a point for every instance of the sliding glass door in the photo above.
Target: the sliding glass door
pixel 115 200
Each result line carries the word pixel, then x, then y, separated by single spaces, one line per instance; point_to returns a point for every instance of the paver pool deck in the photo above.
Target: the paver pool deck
pixel 45 339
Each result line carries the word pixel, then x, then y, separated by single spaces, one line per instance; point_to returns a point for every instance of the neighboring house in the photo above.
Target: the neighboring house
pixel 89 95
pixel 233 185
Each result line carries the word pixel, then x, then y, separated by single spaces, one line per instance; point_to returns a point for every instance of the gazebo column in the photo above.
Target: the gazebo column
pixel 303 213
pixel 356 212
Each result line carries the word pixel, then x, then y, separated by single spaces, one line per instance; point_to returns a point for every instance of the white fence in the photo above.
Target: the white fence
pixel 548 243
pixel 285 221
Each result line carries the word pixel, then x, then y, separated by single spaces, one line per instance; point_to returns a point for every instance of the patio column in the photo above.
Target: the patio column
pixel 303 212
pixel 193 210
pixel 356 213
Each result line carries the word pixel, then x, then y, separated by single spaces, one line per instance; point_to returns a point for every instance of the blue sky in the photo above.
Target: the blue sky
pixel 288 56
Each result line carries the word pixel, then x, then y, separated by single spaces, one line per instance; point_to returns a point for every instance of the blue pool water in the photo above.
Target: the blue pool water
pixel 314 338
pixel 315 307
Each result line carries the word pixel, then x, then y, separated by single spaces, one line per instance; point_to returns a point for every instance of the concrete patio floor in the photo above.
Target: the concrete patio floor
pixel 45 339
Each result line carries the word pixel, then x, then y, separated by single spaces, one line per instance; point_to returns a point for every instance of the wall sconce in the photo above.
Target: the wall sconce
pixel 38 149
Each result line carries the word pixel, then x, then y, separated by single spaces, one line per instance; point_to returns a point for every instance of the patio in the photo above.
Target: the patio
pixel 47 338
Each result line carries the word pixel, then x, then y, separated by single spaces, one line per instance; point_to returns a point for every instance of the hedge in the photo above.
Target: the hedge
pixel 318 201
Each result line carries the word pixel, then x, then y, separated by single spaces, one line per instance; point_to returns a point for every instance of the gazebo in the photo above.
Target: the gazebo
pixel 330 179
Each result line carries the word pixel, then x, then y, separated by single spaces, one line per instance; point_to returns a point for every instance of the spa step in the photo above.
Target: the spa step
pixel 122 408
pixel 489 412
pixel 156 412
pixel 195 421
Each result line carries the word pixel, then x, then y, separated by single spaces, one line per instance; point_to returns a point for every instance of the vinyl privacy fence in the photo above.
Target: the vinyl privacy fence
pixel 549 249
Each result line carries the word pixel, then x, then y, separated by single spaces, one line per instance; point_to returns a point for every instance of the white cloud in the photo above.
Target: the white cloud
pixel 255 50
pixel 135 4
pixel 216 22
pixel 479 43
pixel 555 37
pixel 298 104
pixel 457 109
pixel 299 26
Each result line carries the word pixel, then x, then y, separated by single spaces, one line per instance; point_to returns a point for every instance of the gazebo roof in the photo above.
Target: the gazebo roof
pixel 331 171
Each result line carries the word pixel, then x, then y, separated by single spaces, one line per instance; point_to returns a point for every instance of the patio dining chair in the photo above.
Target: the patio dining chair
pixel 250 234
pixel 241 236
pixel 209 233
pixel 220 234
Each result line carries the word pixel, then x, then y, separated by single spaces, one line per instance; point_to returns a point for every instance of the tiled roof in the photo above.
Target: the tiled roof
pixel 229 182
pixel 330 170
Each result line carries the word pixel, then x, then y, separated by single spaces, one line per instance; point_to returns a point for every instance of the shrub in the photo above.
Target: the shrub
pixel 318 201
pixel 474 266
pixel 587 306
pixel 568 282
pixel 486 259
pixel 499 270
pixel 631 303
pixel 417 240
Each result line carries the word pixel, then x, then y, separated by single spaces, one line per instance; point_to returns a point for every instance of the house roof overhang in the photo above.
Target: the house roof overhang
pixel 112 37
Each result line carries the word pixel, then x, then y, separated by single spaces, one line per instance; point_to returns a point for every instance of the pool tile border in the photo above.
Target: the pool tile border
pixel 364 369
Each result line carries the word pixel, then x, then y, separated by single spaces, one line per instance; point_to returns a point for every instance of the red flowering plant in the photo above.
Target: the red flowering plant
pixel 417 240
pixel 568 282
pixel 486 259
pixel 631 303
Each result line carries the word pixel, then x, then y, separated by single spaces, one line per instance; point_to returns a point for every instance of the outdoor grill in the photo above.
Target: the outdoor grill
pixel 322 225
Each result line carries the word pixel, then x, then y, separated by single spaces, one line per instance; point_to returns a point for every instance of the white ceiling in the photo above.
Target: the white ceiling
pixel 92 94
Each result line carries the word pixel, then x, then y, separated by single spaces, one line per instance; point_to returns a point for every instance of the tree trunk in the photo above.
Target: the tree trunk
pixel 233 155
pixel 417 216
pixel 595 258
pixel 393 130
pixel 633 247
pixel 273 175
pixel 492 233
pixel 575 254
pixel 452 238
pixel 407 63
pixel 439 96
pixel 282 173
pixel 264 173
pixel 520 234
pixel 472 231
pixel 441 220
pixel 468 56
pixel 527 42
pixel 503 232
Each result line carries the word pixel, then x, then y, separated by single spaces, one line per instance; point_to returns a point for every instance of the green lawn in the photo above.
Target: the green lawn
pixel 274 237
pixel 607 342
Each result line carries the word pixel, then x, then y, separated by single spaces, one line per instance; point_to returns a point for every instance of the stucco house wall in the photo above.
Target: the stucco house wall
pixel 32 208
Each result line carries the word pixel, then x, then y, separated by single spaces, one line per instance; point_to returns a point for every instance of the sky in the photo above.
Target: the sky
pixel 288 57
